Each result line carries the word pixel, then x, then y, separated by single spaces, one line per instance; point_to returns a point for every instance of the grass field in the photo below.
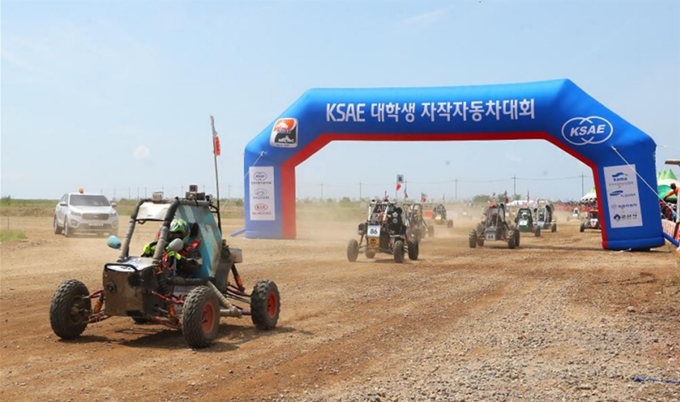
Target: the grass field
pixel 11 235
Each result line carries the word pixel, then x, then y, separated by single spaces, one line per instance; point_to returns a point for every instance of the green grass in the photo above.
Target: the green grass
pixel 11 235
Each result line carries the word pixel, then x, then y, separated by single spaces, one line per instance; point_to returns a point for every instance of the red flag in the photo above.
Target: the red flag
pixel 216 145
pixel 400 179
pixel 216 139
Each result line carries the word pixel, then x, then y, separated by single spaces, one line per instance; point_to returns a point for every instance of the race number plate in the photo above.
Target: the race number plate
pixel 490 236
pixel 373 231
pixel 96 224
pixel 523 222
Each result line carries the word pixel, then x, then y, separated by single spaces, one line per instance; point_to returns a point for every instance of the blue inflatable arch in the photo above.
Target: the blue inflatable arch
pixel 621 156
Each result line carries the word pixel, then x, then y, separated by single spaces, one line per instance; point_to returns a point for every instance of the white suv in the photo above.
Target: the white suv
pixel 85 213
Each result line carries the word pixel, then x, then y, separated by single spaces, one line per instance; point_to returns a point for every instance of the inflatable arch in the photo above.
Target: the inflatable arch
pixel 621 156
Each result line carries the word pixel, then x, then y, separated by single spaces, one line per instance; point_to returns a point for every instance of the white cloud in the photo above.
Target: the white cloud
pixel 13 177
pixel 141 152
pixel 425 18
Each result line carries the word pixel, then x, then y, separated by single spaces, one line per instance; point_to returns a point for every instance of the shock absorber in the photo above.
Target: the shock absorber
pixel 99 303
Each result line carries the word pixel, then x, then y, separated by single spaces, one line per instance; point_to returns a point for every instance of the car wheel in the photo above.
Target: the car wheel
pixel 67 231
pixel 57 229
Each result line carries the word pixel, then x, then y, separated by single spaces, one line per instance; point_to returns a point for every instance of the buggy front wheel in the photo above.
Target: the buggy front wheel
pixel 398 251
pixel 70 309
pixel 201 317
pixel 352 250
pixel 413 250
pixel 265 305
pixel 472 238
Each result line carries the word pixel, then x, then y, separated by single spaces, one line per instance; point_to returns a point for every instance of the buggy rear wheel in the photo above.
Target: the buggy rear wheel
pixel 449 224
pixel 265 304
pixel 70 309
pixel 200 317
pixel 537 231
pixel 430 231
pixel 352 250
pixel 582 228
pixel 398 251
pixel 553 229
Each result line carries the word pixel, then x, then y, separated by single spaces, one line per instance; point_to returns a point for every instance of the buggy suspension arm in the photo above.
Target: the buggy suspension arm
pixel 231 310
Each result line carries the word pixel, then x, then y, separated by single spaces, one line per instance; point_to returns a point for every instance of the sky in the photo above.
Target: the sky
pixel 116 96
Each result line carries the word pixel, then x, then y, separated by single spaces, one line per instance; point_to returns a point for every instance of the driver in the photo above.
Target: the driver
pixel 189 258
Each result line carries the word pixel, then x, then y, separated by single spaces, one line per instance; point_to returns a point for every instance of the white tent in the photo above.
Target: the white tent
pixel 589 196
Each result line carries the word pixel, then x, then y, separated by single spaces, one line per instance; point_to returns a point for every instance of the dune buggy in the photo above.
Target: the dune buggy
pixel 439 216
pixel 494 227
pixel 417 224
pixel 544 217
pixel 385 231
pixel 149 290
pixel 575 214
pixel 591 221
pixel 525 222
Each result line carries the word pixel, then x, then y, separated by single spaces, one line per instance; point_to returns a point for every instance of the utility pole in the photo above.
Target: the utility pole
pixel 456 193
pixel 229 191
pixel 582 185
pixel 359 191
pixel 321 191
pixel 514 186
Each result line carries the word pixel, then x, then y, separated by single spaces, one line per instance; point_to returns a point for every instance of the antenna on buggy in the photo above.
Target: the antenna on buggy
pixel 216 152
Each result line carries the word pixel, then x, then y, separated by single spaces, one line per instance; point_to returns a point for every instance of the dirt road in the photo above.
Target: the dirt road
pixel 557 319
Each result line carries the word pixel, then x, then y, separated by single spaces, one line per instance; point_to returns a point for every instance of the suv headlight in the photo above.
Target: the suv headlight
pixel 113 214
pixel 74 213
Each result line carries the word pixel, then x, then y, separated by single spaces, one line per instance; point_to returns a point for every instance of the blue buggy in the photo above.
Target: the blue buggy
pixel 150 290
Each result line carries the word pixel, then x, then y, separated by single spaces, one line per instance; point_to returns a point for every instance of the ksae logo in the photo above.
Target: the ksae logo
pixel 587 130
pixel 260 176
pixel 284 133
pixel 261 207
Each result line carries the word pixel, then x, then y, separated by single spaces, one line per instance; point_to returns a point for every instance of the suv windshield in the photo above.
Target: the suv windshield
pixel 81 200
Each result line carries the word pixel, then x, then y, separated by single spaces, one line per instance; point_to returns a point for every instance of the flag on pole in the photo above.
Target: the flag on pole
pixel 216 139
pixel 400 181
pixel 423 197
